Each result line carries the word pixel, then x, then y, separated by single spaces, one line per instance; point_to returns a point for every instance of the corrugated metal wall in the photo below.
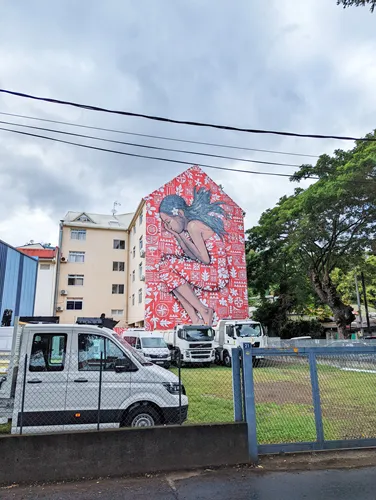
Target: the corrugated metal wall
pixel 18 275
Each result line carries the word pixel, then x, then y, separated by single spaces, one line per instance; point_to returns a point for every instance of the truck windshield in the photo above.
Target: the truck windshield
pixel 140 358
pixel 194 334
pixel 253 330
pixel 155 342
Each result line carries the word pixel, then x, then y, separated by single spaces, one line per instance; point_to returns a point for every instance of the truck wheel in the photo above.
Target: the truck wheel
pixel 217 359
pixel 142 416
pixel 227 359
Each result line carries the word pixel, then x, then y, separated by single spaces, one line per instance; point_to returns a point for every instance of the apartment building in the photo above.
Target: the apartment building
pixel 133 268
pixel 136 267
pixel 93 265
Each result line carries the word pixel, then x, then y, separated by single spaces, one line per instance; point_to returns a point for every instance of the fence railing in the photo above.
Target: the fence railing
pixel 309 398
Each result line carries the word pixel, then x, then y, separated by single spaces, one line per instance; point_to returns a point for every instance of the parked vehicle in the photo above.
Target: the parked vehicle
pixel 151 344
pixel 192 343
pixel 53 381
pixel 230 334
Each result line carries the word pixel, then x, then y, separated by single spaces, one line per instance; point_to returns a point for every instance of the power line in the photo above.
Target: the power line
pixel 201 143
pixel 183 122
pixel 170 160
pixel 151 147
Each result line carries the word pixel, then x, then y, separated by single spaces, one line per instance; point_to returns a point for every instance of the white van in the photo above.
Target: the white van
pixel 151 344
pixel 63 366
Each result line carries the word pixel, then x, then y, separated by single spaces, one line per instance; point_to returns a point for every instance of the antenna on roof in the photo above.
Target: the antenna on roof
pixel 116 204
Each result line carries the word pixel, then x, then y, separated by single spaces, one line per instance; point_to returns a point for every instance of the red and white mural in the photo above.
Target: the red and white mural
pixel 195 255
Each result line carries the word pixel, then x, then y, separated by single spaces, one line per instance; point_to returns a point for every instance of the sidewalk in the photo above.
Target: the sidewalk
pixel 269 481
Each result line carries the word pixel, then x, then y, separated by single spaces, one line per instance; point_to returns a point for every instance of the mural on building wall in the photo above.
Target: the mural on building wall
pixel 195 257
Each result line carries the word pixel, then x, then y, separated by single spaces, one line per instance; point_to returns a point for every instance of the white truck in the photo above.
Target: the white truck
pixel 193 343
pixel 52 382
pixel 151 344
pixel 230 334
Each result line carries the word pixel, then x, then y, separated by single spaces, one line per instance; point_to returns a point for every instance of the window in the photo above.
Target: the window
pixel 140 219
pixel 133 275
pixel 90 348
pixel 76 257
pixel 134 252
pixel 114 223
pixel 75 279
pixel 118 289
pixel 140 270
pixel 119 244
pixel 133 300
pixel 44 267
pixel 118 266
pixel 140 296
pixel 75 304
pixel 48 352
pixel 141 243
pixel 83 218
pixel 117 312
pixel 78 234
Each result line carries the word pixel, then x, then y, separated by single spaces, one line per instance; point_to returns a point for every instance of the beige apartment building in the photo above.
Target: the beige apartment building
pixel 101 265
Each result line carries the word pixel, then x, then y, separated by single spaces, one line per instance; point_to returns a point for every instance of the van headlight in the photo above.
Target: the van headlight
pixel 173 387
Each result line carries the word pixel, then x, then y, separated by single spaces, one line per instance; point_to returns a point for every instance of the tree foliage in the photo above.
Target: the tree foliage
pixel 357 3
pixel 329 225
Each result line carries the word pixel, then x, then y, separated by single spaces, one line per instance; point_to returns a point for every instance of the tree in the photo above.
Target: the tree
pixel 357 3
pixel 345 282
pixel 328 225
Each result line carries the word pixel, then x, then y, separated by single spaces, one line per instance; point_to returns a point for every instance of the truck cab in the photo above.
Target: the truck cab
pixel 230 334
pixel 76 377
pixel 191 344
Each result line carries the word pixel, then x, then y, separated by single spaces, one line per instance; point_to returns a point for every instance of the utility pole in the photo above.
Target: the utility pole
pixel 366 303
pixel 359 305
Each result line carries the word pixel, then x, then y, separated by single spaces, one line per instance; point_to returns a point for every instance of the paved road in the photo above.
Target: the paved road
pixel 239 484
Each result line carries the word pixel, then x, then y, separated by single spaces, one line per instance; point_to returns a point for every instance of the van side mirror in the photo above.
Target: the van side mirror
pixel 124 365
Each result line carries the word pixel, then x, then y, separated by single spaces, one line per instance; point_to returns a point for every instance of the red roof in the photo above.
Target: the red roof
pixel 38 252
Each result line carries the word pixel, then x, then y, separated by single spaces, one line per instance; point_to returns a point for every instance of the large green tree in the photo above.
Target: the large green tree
pixel 329 225
pixel 357 3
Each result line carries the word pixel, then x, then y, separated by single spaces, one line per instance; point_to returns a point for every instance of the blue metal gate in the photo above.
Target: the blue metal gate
pixel 306 399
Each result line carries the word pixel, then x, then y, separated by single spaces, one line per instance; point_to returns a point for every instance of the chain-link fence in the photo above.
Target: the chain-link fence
pixel 58 388
pixel 312 397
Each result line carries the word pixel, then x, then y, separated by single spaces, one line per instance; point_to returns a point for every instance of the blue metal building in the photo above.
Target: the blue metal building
pixel 18 281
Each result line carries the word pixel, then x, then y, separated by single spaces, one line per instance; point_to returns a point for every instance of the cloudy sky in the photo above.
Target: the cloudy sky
pixel 276 64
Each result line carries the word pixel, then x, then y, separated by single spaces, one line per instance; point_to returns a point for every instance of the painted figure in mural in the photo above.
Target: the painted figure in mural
pixel 200 262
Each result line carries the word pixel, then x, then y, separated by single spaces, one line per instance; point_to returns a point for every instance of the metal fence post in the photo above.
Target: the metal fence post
pixel 179 375
pixel 23 394
pixel 316 398
pixel 236 386
pixel 250 407
pixel 100 391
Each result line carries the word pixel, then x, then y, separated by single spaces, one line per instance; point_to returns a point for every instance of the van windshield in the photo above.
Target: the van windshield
pixel 140 358
pixel 154 342
pixel 194 334
pixel 250 330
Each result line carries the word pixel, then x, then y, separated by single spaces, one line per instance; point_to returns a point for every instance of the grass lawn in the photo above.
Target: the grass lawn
pixel 5 428
pixel 284 408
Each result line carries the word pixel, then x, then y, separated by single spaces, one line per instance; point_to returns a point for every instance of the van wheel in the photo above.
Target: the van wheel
pixel 227 359
pixel 142 416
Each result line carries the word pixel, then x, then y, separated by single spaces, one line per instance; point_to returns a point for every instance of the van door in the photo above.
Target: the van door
pixel 46 381
pixel 83 393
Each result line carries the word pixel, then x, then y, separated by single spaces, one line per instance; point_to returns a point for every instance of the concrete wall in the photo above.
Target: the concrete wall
pixel 56 457
pixel 44 299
